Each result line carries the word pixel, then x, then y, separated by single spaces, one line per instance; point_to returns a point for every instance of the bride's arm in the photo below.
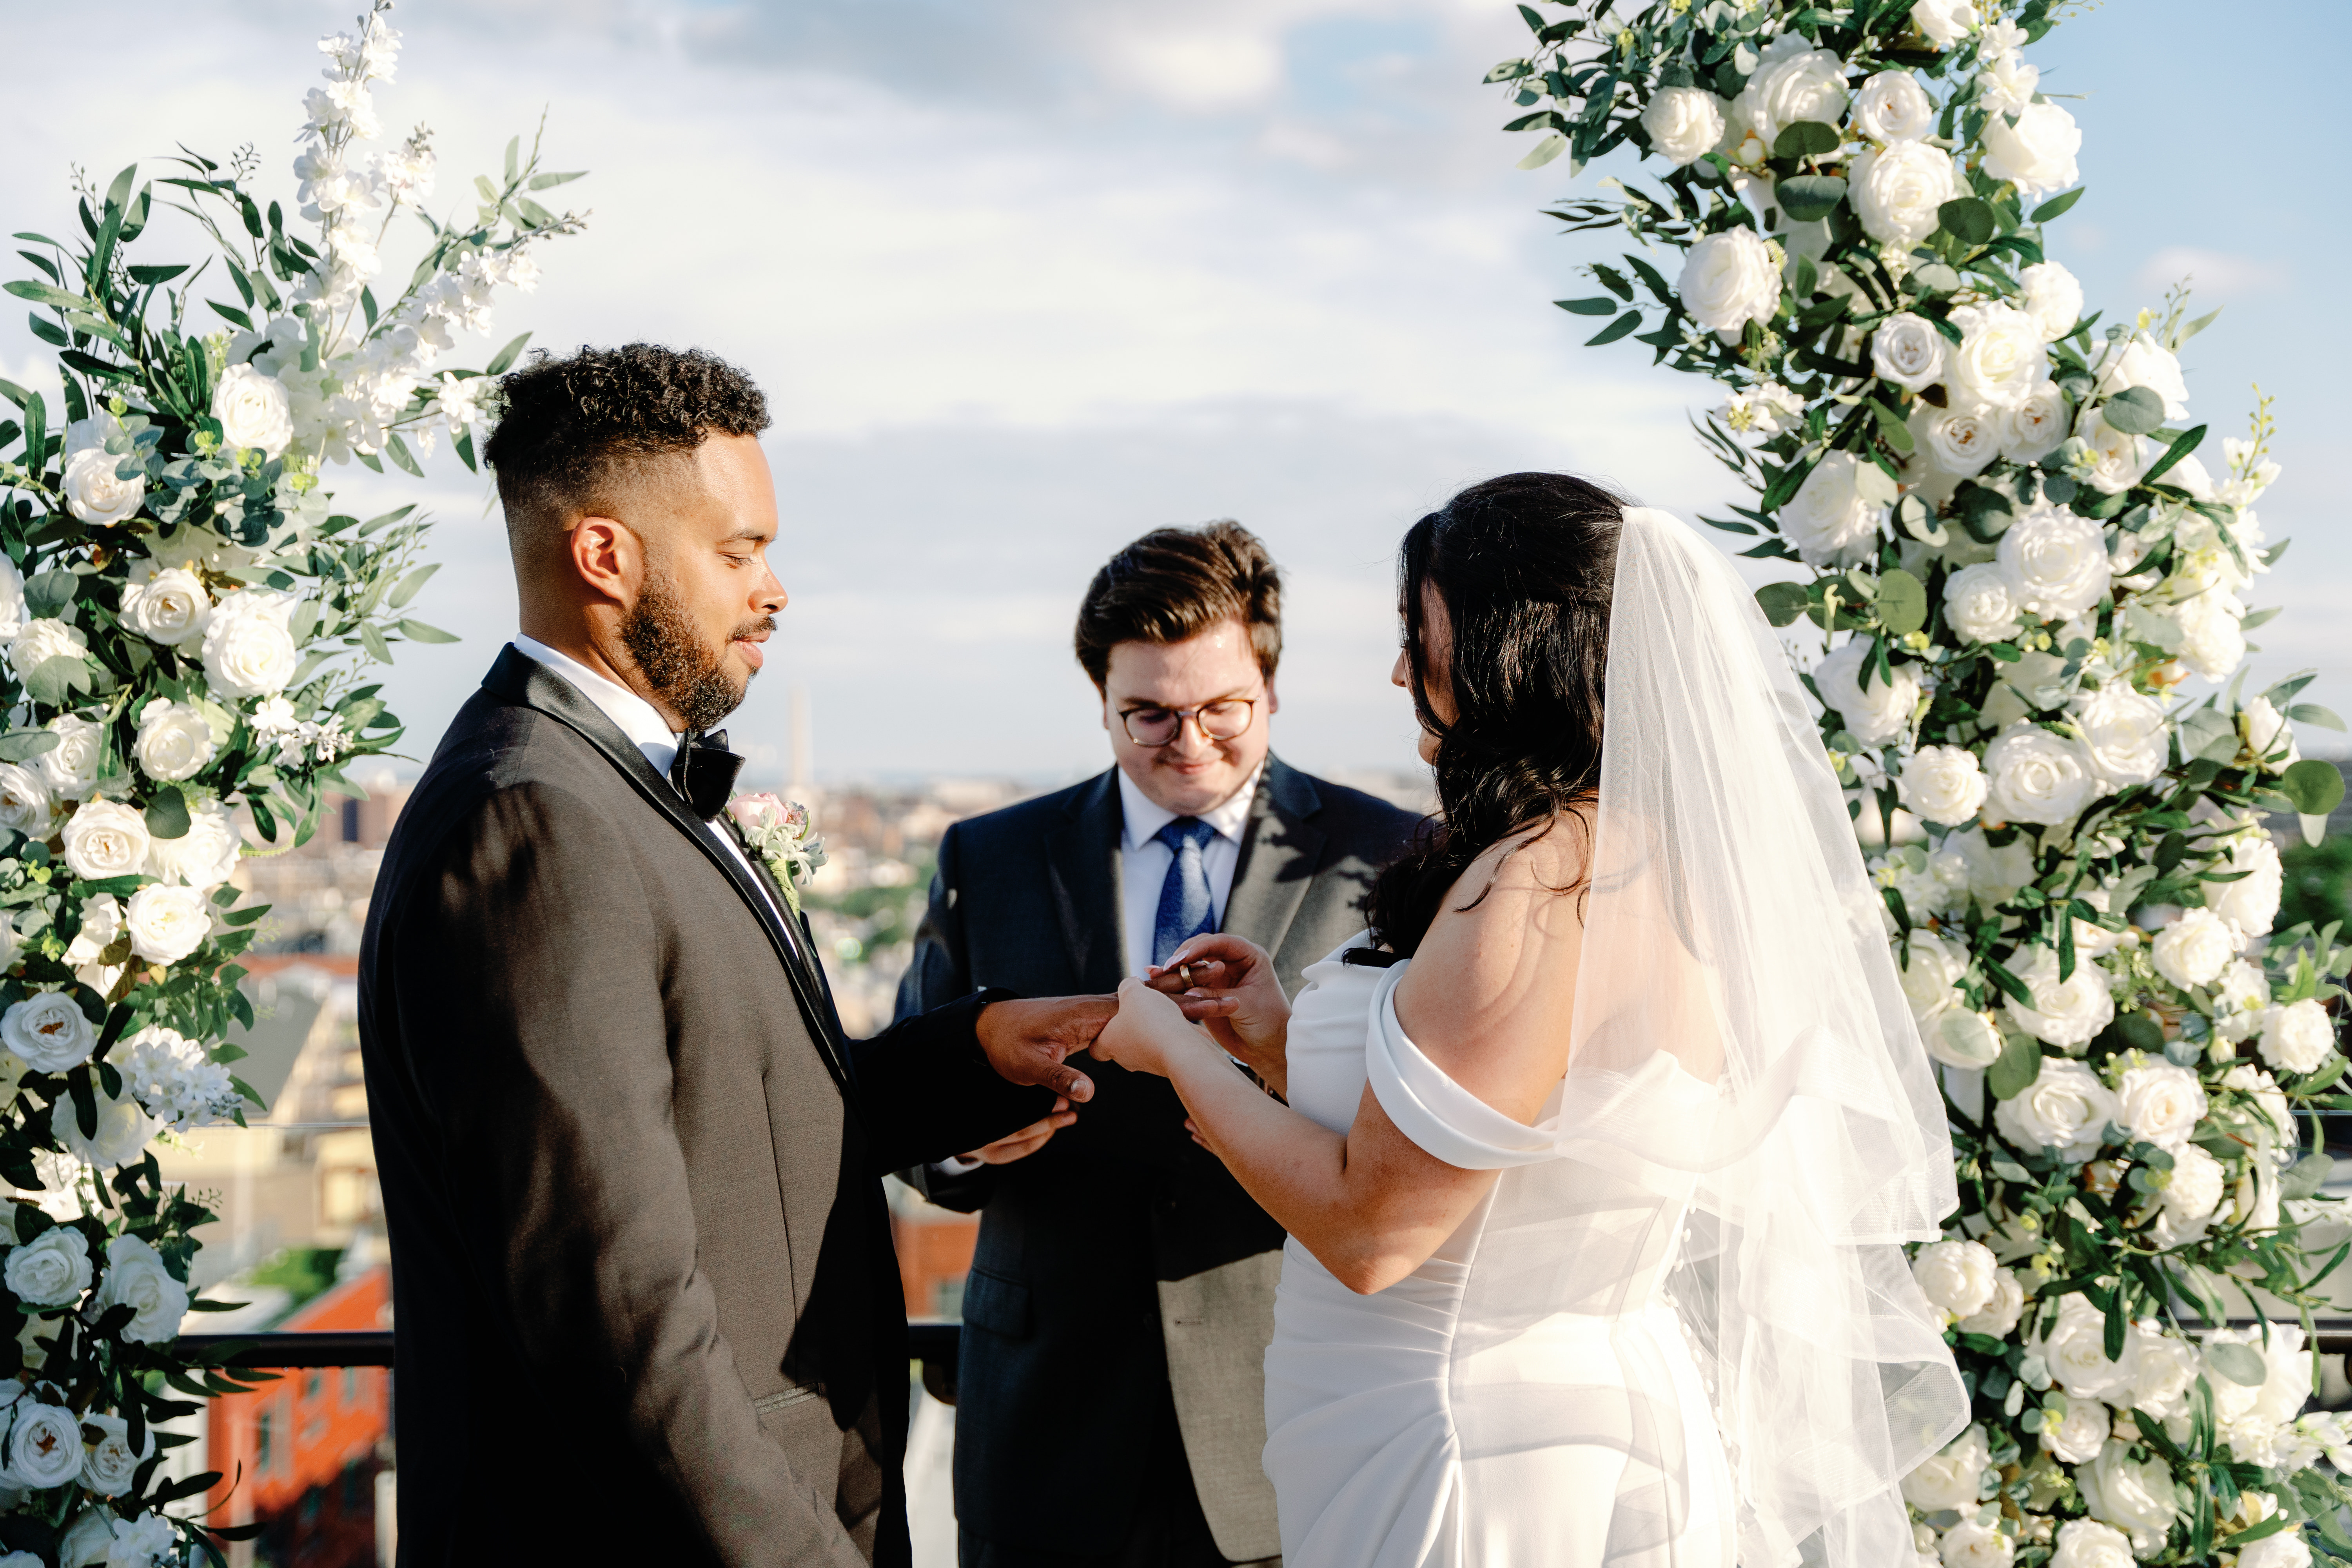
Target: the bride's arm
pixel 1487 1000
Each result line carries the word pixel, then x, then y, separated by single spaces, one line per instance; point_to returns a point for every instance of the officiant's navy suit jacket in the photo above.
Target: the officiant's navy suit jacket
pixel 1121 1262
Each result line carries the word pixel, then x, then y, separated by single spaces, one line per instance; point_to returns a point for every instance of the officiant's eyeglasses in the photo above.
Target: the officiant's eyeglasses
pixel 1223 720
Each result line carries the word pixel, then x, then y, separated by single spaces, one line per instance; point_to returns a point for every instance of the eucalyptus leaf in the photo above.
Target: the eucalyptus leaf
pixel 2239 1363
pixel 1969 219
pixel 2135 411
pixel 1545 150
pixel 1805 139
pixel 2316 788
pixel 2057 207
pixel 167 814
pixel 1902 602
pixel 2015 1070
pixel 1782 603
pixel 1807 199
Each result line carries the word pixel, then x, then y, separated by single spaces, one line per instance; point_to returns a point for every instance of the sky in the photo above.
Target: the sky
pixel 1023 278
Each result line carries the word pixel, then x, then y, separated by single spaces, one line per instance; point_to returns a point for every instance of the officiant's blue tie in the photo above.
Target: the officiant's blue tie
pixel 1185 908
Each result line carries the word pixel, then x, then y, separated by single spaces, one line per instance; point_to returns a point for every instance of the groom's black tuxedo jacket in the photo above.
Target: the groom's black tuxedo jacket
pixel 646 1305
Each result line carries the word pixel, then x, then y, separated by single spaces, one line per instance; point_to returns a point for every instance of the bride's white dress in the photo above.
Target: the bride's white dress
pixel 1526 1397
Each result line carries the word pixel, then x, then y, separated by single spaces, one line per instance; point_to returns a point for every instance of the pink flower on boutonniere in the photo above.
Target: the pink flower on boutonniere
pixel 779 832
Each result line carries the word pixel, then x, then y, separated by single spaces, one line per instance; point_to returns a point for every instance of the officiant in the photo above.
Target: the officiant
pixel 1121 1297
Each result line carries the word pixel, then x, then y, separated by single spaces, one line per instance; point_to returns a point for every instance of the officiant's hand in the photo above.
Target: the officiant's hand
pixel 1027 1141
pixel 1227 985
pixel 1026 1039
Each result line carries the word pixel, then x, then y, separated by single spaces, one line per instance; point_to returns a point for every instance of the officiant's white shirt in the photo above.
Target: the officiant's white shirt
pixel 1143 860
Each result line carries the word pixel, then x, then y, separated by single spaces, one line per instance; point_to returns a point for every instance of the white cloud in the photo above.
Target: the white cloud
pixel 2214 275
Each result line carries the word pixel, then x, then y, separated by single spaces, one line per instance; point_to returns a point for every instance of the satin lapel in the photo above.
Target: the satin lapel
pixel 524 682
pixel 1280 854
pixel 1082 862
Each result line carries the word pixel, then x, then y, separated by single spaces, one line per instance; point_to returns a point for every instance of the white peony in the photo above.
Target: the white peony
pixel 2251 902
pixel 1978 605
pixel 248 650
pixel 2001 358
pixel 1829 520
pixel 2123 732
pixel 71 767
pixel 2074 1347
pixel 1995 872
pixel 2194 948
pixel 2005 83
pixel 123 1129
pixel 1896 191
pixel 2087 1544
pixel 1942 785
pixel 1908 351
pixel 49 1031
pixel 50 1270
pixel 44 1445
pixel 2057 561
pixel 112 1463
pixel 43 641
pixel 2001 1310
pixel 1792 81
pixel 2273 1121
pixel 2065 1013
pixel 2037 153
pixel 2161 1103
pixel 167 606
pixel 206 854
pixel 2213 635
pixel 1969 1544
pixel 1875 715
pixel 175 741
pixel 176 1082
pixel 254 410
pixel 2076 1435
pixel 1727 281
pixel 2163 1368
pixel 1894 107
pixel 1944 22
pixel 2297 1037
pixel 96 493
pixel 24 800
pixel 137 1278
pixel 167 924
pixel 2111 459
pixel 2066 1108
pixel 2144 362
pixel 1965 1039
pixel 2037 776
pixel 1959 1276
pixel 105 839
pixel 1683 123
pixel 1961 440
pixel 1951 1479
pixel 2037 427
pixel 2287 1548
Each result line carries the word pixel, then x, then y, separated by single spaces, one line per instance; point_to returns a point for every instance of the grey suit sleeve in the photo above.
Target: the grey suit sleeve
pixel 941 972
pixel 547 1071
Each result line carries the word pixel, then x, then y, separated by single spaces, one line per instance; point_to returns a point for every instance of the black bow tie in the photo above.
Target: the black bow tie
pixel 704 772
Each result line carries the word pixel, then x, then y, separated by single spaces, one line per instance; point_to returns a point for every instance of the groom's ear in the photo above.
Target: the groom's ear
pixel 608 558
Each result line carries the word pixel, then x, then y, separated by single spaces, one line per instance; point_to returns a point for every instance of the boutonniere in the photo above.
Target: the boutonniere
pixel 779 832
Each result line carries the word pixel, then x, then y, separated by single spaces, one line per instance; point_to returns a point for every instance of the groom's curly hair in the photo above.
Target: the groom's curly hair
pixel 575 433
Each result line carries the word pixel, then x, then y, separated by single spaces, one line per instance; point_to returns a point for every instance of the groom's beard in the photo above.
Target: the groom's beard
pixel 692 678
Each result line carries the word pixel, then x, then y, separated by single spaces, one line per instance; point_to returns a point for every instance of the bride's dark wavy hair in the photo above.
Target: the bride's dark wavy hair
pixel 1524 565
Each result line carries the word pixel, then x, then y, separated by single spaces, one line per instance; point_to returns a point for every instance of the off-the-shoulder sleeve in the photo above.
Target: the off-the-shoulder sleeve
pixel 1444 1119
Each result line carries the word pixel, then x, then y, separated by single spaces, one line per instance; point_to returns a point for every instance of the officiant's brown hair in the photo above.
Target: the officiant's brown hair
pixel 1174 583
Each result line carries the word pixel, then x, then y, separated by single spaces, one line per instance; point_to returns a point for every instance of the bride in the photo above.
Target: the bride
pixel 1597 1150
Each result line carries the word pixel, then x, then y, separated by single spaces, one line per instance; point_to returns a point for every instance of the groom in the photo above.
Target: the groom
pixel 646 1305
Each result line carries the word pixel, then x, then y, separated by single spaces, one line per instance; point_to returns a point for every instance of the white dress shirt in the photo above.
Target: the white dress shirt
pixel 1143 860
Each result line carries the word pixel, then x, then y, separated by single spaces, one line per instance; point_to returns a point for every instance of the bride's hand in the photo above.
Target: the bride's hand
pixel 1148 1033
pixel 1231 990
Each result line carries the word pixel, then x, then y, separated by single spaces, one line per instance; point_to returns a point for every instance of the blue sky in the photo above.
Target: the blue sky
pixel 1024 278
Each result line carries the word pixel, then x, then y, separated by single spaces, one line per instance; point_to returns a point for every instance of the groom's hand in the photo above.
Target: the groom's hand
pixel 1027 1040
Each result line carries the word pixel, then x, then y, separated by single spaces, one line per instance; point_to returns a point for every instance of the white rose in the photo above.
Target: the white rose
pixel 2241 997
pixel 175 741
pixel 168 923
pixel 1908 351
pixel 123 1129
pixel 2000 359
pixel 2161 1103
pixel 47 1030
pixel 253 410
pixel 2087 1544
pixel 105 839
pixel 12 599
pixel 50 1270
pixel 1792 82
pixel 169 606
pixel 1929 968
pixel 206 854
pixel 1944 22
pixel 1829 520
pixel 2037 427
pixel 2270 1105
pixel 1959 441
pixel 136 1276
pixel 89 1542
pixel 1893 107
pixel 2065 1013
pixel 2163 1367
pixel 1969 1544
pixel 1957 1276
pixel 2066 1108
pixel 43 641
pixel 112 1463
pixel 1951 1479
pixel 1994 873
pixel 2077 1435
pixel 2074 1347
pixel 2001 1312
pixel 1684 122
pixel 2037 152
pixel 1978 605
pixel 2036 777
pixel 1729 279
pixel 71 767
pixel 2286 1381
pixel 1876 715
pixel 2194 948
pixel 2053 298
pixel 2113 459
pixel 2251 903
pixel 2212 637
pixel 2285 1550
pixel 2005 83
pixel 96 493
pixel 1895 191
pixel 1963 1039
pixel 2192 1188
pixel 2057 561
pixel 44 1445
pixel 101 923
pixel 1942 785
pixel 2143 363
pixel 24 800
pixel 2124 733
pixel 2268 734
pixel 2297 1037
pixel 248 650
pixel 2254 1203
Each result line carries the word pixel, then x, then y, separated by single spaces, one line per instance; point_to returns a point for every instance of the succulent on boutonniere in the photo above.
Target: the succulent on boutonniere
pixel 779 833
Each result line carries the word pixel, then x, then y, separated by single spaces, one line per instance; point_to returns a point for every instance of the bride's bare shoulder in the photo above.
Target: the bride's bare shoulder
pixel 1522 890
